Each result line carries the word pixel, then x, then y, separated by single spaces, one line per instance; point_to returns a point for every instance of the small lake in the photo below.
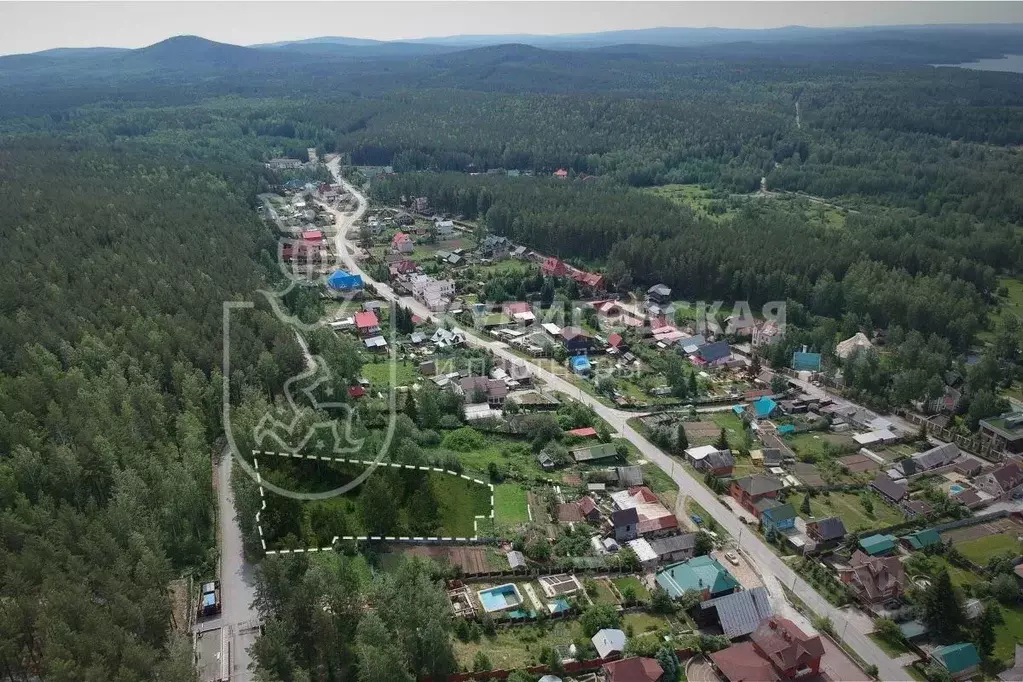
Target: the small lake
pixel 1010 62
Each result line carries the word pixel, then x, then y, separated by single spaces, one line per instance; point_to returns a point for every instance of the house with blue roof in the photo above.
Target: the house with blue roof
pixel 960 660
pixel 703 574
pixel 341 280
pixel 764 407
pixel 878 545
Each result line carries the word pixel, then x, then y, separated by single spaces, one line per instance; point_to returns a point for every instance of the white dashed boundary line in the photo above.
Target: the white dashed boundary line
pixel 362 538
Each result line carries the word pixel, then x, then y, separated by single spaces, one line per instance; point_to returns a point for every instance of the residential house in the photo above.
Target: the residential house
pixel 717 353
pixel 588 509
pixel 777 651
pixel 283 164
pixel 520 311
pixel 749 490
pixel 670 549
pixel 435 294
pixel 889 490
pixel 635 669
pixel 591 280
pixel 517 370
pixel 764 407
pixel 341 280
pixel 575 339
pixel 921 539
pixel 740 613
pixel 1003 434
pixel 616 343
pixel 594 453
pixel 654 518
pixel 401 268
pixel 626 524
pixel 609 642
pixel 483 389
pixel 552 267
pixel 659 293
pixel 402 243
pixel 584 432
pixel 854 343
pixel 443 228
pixel 703 574
pixel 696 455
pixel 719 463
pixel 740 325
pixel 561 173
pixel 766 334
pixel 827 531
pixel 780 517
pixel 938 456
pixel 960 660
pixel 367 323
pixel 1004 483
pixel 915 508
pixel 420 204
pixel 878 544
pixel 495 247
pixel 445 338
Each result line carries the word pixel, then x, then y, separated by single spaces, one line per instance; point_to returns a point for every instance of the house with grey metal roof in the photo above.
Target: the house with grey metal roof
pixel 740 612
pixel 608 642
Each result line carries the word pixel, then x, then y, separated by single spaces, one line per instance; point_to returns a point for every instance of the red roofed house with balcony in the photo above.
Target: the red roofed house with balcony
pixel 588 279
pixel 552 267
pixel 367 323
pixel 402 243
pixel 778 651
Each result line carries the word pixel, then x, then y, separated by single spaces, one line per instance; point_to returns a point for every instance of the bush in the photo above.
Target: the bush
pixel 599 617
pixel 465 439
pixel 449 421
pixel 481 662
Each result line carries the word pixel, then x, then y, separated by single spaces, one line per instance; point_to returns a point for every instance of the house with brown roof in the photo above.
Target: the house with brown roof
pixel 480 389
pixel 830 530
pixel 1003 483
pixel 889 490
pixel 873 579
pixel 637 669
pixel 402 243
pixel 749 490
pixel 778 650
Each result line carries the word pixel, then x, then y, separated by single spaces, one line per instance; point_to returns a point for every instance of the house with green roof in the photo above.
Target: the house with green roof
pixel 704 574
pixel 877 545
pixel 961 660
pixel 921 539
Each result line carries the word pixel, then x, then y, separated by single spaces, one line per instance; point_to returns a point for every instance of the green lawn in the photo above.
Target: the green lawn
pixel 603 594
pixel 379 373
pixel 1008 634
pixel 698 198
pixel 512 454
pixel 1014 302
pixel 847 506
pixel 892 649
pixel 510 504
pixel 518 646
pixel 642 594
pixel 813 442
pixel 643 622
pixel 732 425
pixel 931 565
pixel 980 550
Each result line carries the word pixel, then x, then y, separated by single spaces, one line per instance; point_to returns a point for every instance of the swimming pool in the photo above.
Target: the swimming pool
pixel 955 488
pixel 500 598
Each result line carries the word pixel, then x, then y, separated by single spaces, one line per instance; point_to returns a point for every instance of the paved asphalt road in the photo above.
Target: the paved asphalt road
pixel 766 560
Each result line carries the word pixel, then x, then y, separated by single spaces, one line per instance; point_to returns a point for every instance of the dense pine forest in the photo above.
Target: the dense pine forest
pixel 128 185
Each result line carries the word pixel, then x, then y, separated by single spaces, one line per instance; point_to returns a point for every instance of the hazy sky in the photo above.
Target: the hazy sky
pixel 32 26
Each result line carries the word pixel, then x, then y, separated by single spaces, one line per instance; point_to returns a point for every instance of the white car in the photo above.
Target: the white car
pixel 734 560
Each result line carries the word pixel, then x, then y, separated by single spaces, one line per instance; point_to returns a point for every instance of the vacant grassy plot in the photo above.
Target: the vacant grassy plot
pixel 516 647
pixel 1008 634
pixel 510 453
pixel 931 565
pixel 643 622
pixel 813 443
pixel 510 504
pixel 732 425
pixel 1013 303
pixel 893 649
pixel 847 506
pixel 699 199
pixel 294 523
pixel 637 586
pixel 980 550
pixel 379 374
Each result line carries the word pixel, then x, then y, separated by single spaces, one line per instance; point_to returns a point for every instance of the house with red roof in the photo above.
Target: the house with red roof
pixel 367 322
pixel 313 236
pixel 588 509
pixel 405 266
pixel 587 279
pixel 356 391
pixel 552 267
pixel 585 432
pixel 616 342
pixel 778 650
pixel 561 173
pixel 402 243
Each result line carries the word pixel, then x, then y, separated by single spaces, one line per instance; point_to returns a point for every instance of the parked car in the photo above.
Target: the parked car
pixel 734 560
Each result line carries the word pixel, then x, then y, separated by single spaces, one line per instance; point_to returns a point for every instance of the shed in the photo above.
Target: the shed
pixel 875 545
pixel 924 538
pixel 516 559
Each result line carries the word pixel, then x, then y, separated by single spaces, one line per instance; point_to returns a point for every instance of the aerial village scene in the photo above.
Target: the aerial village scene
pixel 631 487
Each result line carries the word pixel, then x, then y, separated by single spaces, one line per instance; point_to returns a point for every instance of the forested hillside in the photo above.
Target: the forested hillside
pixel 117 260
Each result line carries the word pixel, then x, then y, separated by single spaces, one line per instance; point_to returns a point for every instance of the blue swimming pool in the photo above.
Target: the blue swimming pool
pixel 500 598
pixel 955 488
